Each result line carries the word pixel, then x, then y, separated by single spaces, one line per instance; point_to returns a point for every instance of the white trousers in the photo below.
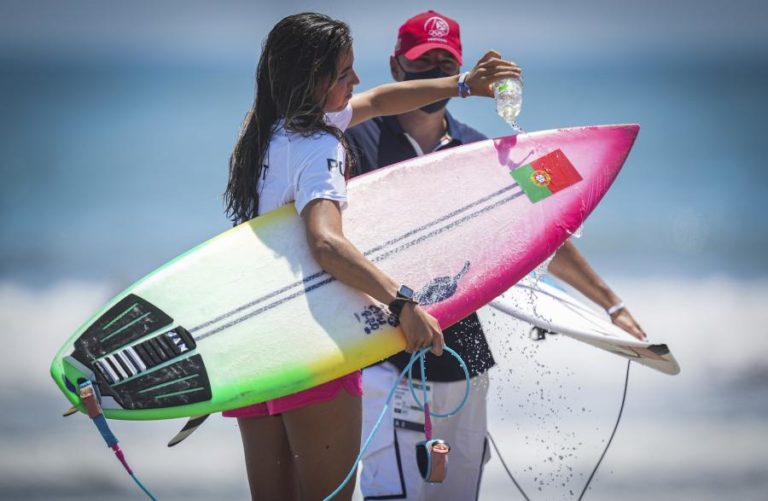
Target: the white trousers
pixel 389 465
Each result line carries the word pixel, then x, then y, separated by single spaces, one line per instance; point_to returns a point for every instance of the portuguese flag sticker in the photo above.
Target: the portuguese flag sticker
pixel 546 175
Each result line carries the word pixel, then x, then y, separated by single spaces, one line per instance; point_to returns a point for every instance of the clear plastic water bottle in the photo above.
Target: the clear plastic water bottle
pixel 509 99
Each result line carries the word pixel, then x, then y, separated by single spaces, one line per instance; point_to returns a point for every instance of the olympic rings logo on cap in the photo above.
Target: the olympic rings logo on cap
pixel 437 27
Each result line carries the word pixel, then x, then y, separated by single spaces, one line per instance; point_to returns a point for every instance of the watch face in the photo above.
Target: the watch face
pixel 405 291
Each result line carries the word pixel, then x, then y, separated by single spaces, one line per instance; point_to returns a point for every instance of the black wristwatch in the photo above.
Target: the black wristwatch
pixel 404 295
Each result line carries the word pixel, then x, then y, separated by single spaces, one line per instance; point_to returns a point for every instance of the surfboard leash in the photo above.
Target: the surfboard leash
pixel 504 464
pixel 613 433
pixel 599 461
pixel 418 355
pixel 432 453
pixel 91 402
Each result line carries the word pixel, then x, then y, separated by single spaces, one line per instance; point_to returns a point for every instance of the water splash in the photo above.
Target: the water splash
pixel 539 402
pixel 515 126
pixel 578 233
pixel 538 274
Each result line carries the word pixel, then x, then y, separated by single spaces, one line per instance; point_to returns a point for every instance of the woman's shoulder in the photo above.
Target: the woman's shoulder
pixel 320 140
pixel 298 151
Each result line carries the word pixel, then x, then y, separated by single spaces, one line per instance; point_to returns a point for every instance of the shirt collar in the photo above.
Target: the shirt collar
pixel 453 128
pixel 454 131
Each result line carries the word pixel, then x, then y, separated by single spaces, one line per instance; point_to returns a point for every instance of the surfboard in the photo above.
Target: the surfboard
pixel 249 315
pixel 551 310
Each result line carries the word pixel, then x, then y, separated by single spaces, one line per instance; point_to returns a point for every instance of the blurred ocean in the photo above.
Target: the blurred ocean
pixel 698 435
pixel 103 159
pixel 110 168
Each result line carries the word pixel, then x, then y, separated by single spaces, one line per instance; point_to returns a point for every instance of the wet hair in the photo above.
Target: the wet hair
pixel 298 62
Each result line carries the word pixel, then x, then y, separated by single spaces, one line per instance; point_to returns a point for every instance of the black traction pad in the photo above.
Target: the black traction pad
pixel 128 320
pixel 128 372
pixel 181 383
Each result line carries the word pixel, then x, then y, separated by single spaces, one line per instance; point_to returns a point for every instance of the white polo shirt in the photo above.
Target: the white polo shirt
pixel 301 169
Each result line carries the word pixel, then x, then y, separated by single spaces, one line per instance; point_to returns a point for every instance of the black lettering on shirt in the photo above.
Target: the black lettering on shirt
pixel 335 164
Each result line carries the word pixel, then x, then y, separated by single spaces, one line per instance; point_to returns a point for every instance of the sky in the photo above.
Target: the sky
pixel 231 31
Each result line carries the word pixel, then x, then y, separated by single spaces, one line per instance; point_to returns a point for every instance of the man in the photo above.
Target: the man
pixel 428 46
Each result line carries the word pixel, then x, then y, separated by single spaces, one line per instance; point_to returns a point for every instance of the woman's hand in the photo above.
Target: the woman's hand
pixel 490 68
pixel 346 263
pixel 421 329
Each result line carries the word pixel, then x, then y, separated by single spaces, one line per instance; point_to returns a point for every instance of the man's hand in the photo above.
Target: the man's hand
pixel 626 321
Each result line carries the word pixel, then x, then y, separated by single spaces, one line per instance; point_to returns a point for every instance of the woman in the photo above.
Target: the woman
pixel 291 150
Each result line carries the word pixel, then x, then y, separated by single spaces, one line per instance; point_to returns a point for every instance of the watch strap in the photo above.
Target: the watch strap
pixel 403 296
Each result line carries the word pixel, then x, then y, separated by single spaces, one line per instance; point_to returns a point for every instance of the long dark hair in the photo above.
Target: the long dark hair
pixel 299 55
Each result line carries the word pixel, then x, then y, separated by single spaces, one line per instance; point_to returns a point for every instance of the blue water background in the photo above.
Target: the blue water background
pixel 109 170
pixel 116 122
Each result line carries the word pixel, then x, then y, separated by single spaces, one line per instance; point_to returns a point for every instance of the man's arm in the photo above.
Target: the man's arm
pixel 570 266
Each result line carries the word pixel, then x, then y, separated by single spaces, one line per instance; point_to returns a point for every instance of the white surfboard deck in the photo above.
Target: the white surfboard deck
pixel 249 315
pixel 550 308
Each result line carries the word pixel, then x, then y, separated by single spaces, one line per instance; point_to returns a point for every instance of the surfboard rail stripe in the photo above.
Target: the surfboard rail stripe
pixel 443 218
pixel 367 253
pixel 447 227
pixel 380 258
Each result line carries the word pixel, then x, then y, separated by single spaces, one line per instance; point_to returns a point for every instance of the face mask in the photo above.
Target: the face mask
pixel 435 72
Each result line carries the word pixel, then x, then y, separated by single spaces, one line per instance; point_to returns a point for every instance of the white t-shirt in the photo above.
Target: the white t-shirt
pixel 301 169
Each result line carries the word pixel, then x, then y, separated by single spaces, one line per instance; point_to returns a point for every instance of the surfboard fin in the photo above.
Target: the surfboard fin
pixel 69 411
pixel 189 428
pixel 539 334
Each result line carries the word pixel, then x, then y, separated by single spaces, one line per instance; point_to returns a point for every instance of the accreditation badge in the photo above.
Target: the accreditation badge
pixel 407 413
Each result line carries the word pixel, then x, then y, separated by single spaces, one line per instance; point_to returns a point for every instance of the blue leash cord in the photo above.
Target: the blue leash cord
pixel 141 486
pixel 90 401
pixel 419 355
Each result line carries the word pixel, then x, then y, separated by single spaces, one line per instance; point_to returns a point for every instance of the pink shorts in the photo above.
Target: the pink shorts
pixel 352 383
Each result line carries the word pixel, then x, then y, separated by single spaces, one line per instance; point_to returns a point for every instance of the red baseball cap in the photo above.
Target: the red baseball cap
pixel 427 31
